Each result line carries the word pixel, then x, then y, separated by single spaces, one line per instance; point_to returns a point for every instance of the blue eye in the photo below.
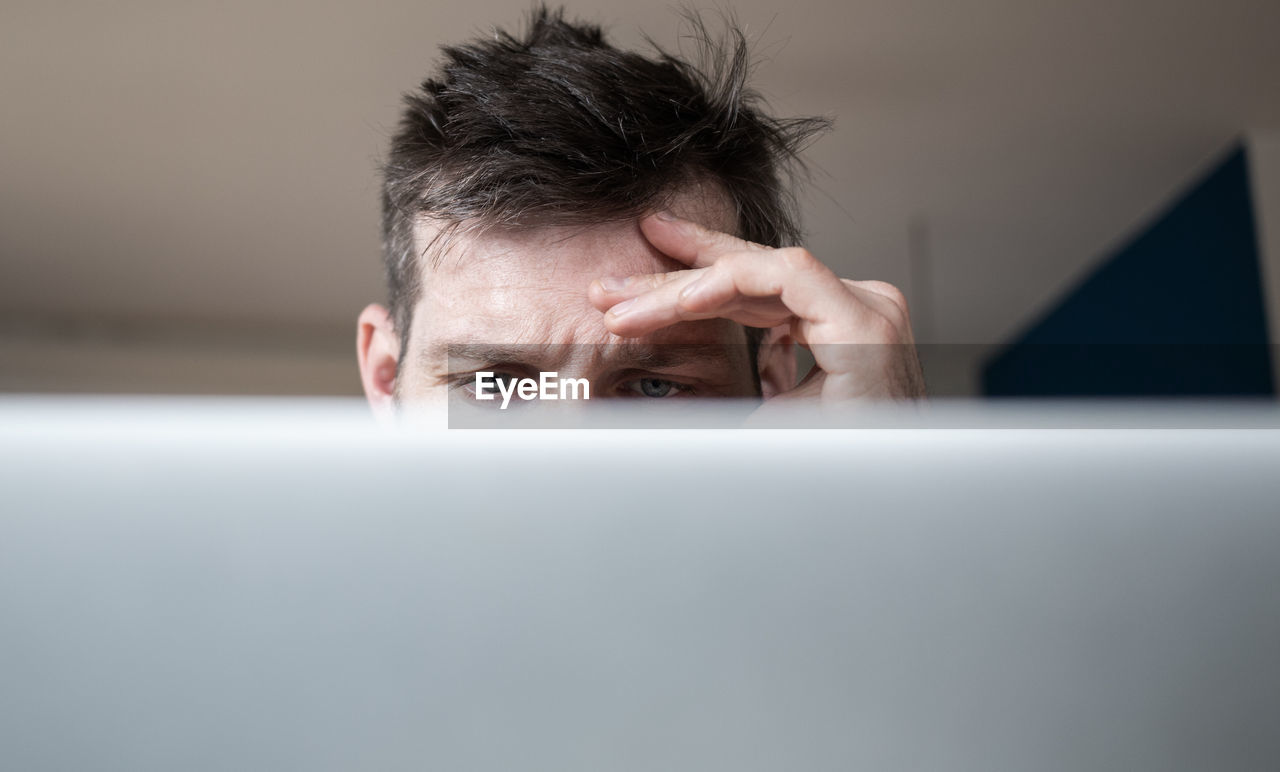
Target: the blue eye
pixel 653 387
pixel 656 388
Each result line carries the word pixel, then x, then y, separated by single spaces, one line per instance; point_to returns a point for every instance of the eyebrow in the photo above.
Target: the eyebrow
pixel 673 354
pixel 487 352
pixel 633 354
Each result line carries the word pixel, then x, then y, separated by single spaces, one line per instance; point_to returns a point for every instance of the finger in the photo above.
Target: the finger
pixel 658 307
pixel 808 289
pixel 689 242
pixel 888 301
pixel 754 287
pixel 608 291
pixel 882 305
pixel 883 289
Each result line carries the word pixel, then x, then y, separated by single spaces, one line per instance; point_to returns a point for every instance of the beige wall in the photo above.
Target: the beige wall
pixel 209 169
pixel 153 357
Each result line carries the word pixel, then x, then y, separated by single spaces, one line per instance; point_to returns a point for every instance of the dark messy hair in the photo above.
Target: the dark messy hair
pixel 558 127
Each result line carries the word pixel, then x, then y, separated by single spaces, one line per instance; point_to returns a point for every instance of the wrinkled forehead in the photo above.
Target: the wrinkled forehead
pixel 539 258
pixel 530 284
pixel 446 248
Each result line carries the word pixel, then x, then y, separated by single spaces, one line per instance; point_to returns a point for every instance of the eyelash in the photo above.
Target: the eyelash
pixel 682 389
pixel 465 380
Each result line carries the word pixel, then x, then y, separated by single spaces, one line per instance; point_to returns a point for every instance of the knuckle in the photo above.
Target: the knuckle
pixel 882 329
pixel 724 268
pixel 801 260
pixel 893 303
pixel 891 292
pixel 723 240
pixel 684 313
pixel 662 279
pixel 683 303
pixel 687 309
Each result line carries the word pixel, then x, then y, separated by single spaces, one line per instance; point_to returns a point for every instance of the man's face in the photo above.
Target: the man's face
pixel 515 303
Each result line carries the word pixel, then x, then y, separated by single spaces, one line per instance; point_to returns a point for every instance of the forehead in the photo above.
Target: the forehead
pixel 530 285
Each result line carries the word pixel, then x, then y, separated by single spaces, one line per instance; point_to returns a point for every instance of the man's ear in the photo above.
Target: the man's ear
pixel 777 362
pixel 378 349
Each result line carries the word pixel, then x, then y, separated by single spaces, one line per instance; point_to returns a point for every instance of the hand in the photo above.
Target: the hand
pixel 858 331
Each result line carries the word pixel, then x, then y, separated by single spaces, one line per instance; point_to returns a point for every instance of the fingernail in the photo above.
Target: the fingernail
pixel 666 215
pixel 622 307
pixel 613 283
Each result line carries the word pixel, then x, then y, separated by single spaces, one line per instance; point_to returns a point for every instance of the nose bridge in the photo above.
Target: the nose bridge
pixel 582 361
pixel 589 358
pixel 580 328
